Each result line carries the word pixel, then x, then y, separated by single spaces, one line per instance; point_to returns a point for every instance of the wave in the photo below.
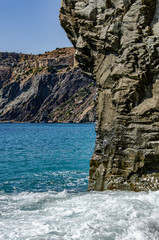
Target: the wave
pixel 79 216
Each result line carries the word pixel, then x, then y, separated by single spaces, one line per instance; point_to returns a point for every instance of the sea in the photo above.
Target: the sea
pixel 44 171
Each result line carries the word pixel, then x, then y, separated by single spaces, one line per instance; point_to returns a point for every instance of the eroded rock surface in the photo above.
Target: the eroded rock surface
pixel 117 41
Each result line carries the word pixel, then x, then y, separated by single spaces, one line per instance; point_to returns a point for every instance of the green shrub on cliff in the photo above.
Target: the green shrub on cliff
pixel 29 71
pixel 37 70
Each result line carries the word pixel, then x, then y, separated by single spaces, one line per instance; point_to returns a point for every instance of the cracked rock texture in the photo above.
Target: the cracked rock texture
pixel 117 42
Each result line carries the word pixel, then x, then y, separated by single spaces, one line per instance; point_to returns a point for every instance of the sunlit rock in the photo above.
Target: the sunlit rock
pixel 117 41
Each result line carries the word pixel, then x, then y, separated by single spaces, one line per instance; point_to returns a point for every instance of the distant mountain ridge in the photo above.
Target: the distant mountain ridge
pixel 48 87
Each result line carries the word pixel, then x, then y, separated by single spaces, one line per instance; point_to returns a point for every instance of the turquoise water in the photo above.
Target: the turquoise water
pixel 43 189
pixel 45 157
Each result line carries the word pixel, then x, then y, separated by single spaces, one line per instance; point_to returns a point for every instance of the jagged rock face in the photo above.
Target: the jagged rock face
pixel 118 42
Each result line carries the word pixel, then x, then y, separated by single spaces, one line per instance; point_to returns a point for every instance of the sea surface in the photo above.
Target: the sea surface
pixel 44 171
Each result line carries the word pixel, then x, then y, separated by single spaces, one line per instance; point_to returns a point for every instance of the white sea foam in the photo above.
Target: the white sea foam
pixel 87 216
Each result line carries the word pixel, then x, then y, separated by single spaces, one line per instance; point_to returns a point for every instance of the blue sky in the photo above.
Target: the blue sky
pixel 31 26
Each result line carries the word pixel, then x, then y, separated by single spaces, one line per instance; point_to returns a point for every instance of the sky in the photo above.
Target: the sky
pixel 31 26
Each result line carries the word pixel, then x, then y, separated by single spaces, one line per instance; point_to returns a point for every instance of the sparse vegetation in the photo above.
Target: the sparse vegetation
pixel 61 52
pixel 37 70
pixel 17 77
pixel 29 71
pixel 66 96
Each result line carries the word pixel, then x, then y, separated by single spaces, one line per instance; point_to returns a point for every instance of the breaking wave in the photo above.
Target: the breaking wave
pixel 83 216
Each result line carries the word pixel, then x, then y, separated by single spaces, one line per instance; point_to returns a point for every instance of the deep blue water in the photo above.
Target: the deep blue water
pixel 45 157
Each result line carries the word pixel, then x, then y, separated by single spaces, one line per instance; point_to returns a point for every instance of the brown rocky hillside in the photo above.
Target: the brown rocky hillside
pixel 48 87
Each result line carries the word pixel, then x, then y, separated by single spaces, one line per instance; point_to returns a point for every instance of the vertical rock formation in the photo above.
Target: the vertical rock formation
pixel 118 42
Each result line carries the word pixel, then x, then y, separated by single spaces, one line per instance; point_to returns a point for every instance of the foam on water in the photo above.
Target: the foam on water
pixel 39 161
pixel 85 216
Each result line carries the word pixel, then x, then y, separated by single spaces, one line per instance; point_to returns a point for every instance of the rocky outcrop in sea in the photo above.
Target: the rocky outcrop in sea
pixel 118 43
pixel 48 87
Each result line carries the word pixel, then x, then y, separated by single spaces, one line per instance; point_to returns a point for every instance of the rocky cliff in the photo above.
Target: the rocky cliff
pixel 117 41
pixel 47 87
